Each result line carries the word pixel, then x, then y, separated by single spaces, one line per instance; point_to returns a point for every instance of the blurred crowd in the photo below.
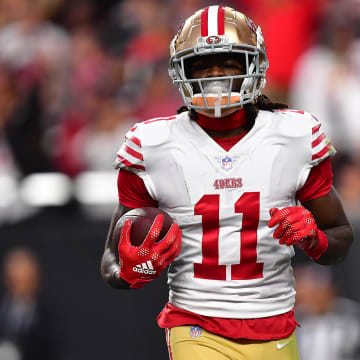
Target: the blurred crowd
pixel 75 75
pixel 330 322
pixel 28 329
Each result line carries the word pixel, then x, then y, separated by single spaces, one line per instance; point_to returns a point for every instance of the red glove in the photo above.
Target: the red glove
pixel 298 227
pixel 141 264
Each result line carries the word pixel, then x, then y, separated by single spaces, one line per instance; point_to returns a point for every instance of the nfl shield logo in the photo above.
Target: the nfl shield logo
pixel 195 331
pixel 226 163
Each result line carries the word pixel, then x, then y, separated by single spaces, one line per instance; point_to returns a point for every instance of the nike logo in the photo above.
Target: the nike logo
pixel 279 345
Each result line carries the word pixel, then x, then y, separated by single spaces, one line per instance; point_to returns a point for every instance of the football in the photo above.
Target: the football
pixel 141 220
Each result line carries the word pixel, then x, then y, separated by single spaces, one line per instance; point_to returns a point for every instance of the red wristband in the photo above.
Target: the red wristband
pixel 320 248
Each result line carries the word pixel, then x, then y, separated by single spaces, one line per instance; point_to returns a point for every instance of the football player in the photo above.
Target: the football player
pixel 245 179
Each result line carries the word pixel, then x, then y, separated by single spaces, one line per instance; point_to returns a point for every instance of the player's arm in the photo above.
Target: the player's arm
pixel 120 257
pixel 320 226
pixel 330 217
pixel 110 267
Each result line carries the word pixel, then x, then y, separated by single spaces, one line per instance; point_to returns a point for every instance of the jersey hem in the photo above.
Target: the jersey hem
pixel 268 328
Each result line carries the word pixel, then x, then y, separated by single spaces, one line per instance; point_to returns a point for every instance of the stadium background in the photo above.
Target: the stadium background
pixel 74 76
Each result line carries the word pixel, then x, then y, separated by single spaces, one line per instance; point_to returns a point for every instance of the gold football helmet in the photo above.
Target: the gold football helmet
pixel 214 30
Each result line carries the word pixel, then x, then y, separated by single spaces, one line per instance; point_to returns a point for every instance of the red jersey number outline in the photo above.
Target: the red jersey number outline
pixel 209 208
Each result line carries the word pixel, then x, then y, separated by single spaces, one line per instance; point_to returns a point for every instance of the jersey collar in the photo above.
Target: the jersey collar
pixel 229 122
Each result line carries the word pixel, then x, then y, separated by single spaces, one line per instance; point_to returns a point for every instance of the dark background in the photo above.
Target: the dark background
pixel 94 321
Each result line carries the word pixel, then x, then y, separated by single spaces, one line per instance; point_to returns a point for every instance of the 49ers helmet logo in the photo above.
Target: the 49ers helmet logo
pixel 213 39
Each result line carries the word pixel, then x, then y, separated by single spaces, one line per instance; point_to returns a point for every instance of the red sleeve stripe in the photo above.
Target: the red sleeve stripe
pixel 318 140
pixel 221 21
pixel 132 152
pixel 316 128
pixel 134 139
pixel 129 164
pixel 322 152
pixel 204 22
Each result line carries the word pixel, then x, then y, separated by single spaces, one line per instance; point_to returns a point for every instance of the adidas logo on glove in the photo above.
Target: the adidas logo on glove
pixel 145 268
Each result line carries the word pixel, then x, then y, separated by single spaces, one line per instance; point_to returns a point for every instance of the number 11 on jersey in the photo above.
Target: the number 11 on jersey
pixel 209 208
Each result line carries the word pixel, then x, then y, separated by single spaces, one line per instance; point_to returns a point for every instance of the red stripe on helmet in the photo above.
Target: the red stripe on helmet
pixel 204 22
pixel 221 21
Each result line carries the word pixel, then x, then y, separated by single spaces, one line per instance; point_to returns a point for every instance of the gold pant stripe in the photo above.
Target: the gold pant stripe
pixel 195 343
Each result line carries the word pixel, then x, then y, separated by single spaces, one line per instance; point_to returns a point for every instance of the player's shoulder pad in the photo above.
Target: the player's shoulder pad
pixel 294 123
pixel 156 131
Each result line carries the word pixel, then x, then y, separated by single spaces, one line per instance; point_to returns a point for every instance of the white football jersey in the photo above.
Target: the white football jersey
pixel 230 266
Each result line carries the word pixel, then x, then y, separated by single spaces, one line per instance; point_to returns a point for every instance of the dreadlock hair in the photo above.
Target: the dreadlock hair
pixel 262 103
pixel 251 110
